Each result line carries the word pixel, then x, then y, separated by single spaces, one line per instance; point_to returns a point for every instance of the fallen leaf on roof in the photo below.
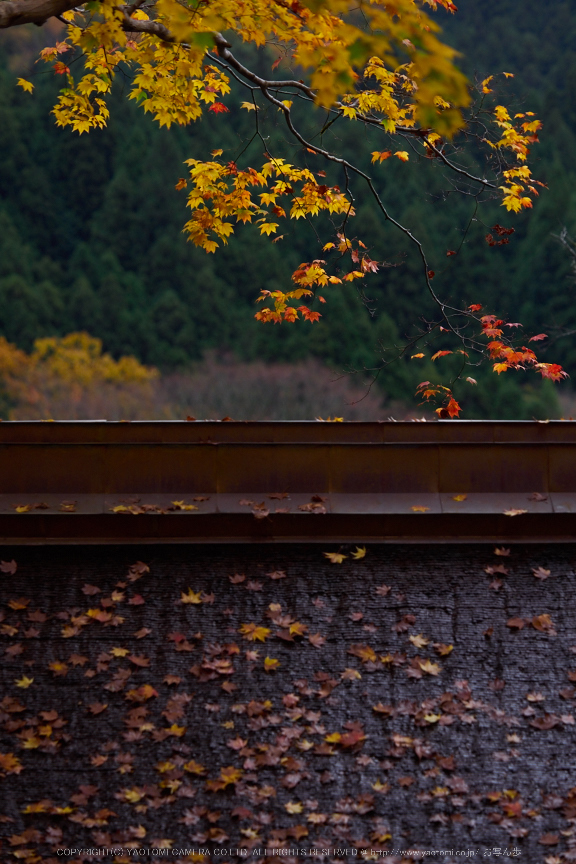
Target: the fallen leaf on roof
pixel 516 623
pixel 335 557
pixel 191 597
pixel 254 633
pixel 543 623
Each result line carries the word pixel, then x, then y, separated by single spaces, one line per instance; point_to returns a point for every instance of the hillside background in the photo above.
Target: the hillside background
pixel 90 240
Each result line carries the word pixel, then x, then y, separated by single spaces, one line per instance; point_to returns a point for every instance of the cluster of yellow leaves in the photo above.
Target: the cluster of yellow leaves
pixel 320 38
pixel 173 86
pixel 221 196
pixel 221 193
pixel 517 138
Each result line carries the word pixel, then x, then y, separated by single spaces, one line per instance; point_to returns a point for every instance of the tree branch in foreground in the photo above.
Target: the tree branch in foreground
pixel 15 12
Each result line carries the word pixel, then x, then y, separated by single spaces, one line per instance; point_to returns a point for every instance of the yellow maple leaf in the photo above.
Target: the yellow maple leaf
pixel 335 557
pixel 359 552
pixel 402 155
pixel 270 663
pixel 230 774
pixel 293 806
pixel 26 85
pixel 58 668
pixel 249 106
pixel 11 764
pixel 429 667
pixel 24 682
pixel 419 508
pixel 254 633
pixel 333 738
pixel 268 228
pixel 191 597
pixel 132 796
pixel 419 641
pixel 461 497
pixel 194 767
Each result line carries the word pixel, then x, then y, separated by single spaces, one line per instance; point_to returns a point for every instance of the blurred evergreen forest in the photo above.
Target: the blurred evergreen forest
pixel 91 227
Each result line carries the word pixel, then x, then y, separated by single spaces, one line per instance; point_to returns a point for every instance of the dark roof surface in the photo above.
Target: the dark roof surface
pixel 421 697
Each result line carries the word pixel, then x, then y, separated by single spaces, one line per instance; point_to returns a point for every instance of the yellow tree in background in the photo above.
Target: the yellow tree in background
pixel 67 377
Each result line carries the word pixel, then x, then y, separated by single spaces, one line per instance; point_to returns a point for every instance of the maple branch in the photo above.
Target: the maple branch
pixel 132 25
pixel 455 168
pixel 133 6
pixel 348 165
pixel 226 59
pixel 223 49
pixel 16 12
pixel 224 52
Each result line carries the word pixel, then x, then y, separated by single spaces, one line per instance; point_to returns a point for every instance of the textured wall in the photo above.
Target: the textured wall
pixel 153 723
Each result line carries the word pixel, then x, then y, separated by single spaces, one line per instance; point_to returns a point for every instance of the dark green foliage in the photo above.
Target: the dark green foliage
pixel 91 230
